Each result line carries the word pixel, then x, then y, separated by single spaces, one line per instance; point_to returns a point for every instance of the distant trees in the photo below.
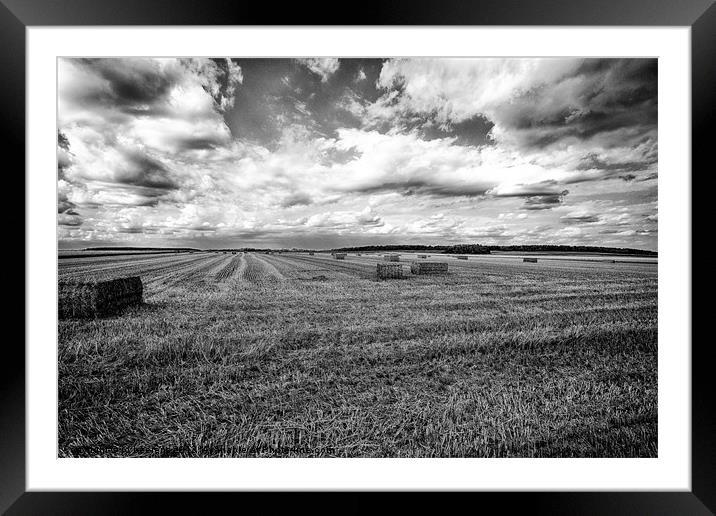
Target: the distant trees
pixel 392 247
pixel 467 249
pixel 571 249
pixel 486 249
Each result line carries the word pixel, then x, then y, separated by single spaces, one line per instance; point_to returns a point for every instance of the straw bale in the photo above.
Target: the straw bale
pixel 389 270
pixel 429 267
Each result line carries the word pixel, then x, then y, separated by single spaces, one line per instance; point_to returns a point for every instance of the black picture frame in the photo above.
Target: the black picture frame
pixel 17 15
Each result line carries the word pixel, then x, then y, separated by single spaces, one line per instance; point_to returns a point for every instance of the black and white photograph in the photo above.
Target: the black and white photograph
pixel 357 257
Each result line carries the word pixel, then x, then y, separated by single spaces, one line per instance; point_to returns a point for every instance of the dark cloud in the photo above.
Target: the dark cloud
pixel 580 219
pixel 144 171
pixel 132 230
pixel 424 187
pixel 538 196
pixel 63 204
pixel 473 132
pixel 69 219
pixel 604 95
pixel 64 156
pixel 297 199
pixel 198 143
pixel 225 79
pixel 135 85
pixel 199 227
pixel 62 141
pixel 370 219
pixel 592 162
pixel 544 202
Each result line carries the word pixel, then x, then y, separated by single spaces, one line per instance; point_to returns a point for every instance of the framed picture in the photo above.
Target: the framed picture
pixel 443 248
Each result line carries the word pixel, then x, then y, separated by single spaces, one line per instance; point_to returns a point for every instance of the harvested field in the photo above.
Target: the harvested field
pixel 98 298
pixel 229 269
pixel 259 270
pixel 295 355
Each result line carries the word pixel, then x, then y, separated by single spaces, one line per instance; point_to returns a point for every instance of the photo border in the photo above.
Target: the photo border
pixel 17 15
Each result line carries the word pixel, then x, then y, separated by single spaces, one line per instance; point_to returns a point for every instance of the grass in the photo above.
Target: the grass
pixel 257 355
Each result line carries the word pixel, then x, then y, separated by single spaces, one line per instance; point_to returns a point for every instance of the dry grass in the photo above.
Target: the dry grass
pixel 293 356
pixel 97 298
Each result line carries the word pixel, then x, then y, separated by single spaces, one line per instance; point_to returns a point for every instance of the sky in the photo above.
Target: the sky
pixel 325 152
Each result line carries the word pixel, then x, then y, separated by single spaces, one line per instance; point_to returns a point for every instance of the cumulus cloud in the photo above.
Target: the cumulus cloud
pixel 566 96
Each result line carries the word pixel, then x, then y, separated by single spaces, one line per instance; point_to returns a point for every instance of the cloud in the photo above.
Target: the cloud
pixel 337 220
pixel 296 199
pixel 69 218
pixel 544 202
pixel 347 151
pixel 580 219
pixel 539 189
pixel 531 102
pixel 409 165
pixel 324 67
pixel 133 85
pixel 368 218
pixel 144 171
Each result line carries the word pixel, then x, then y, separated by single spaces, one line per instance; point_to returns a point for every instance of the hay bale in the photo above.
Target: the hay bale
pixel 429 268
pixel 98 298
pixel 422 256
pixel 461 257
pixel 389 270
pixel 530 260
pixel 340 256
pixel 391 257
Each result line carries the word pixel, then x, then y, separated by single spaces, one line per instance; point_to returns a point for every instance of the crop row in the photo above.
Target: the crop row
pixel 259 271
pixel 230 268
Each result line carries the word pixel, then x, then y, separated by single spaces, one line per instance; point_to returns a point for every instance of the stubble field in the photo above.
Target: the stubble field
pixel 293 355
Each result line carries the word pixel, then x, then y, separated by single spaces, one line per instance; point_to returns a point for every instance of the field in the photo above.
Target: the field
pixel 291 355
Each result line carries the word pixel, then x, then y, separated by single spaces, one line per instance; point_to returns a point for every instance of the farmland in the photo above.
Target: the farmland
pixel 291 355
